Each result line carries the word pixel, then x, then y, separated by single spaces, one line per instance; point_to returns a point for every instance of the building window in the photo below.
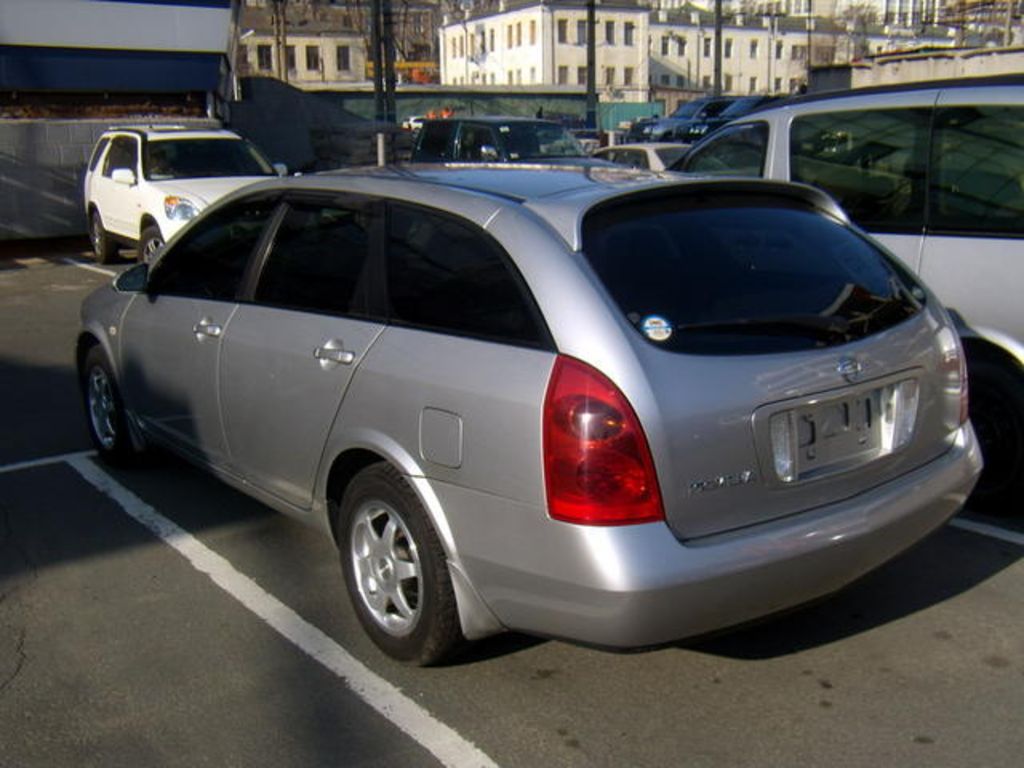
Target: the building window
pixel 664 45
pixel 563 75
pixel 533 32
pixel 727 52
pixel 511 77
pixel 680 46
pixel 264 58
pixel 627 75
pixel 666 79
pixel 508 41
pixel 793 84
pixel 680 81
pixel 289 57
pixel 519 77
pixel 707 47
pixel 581 33
pixel 753 85
pixel 778 85
pixel 344 58
pixel 727 85
pixel 798 53
pixel 778 49
pixel 533 74
pixel 462 47
pixel 609 75
pixel 609 32
pixel 753 49
pixel 563 31
pixel 519 34
pixel 627 33
pixel 312 58
pixel 581 75
pixel 705 82
pixel 491 36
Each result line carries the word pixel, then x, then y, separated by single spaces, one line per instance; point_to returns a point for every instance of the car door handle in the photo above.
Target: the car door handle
pixel 333 352
pixel 207 328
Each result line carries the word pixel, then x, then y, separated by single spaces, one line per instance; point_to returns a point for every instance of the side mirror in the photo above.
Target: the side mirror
pixel 488 153
pixel 281 168
pixel 132 280
pixel 124 176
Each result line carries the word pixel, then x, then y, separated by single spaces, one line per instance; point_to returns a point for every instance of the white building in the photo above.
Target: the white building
pixel 533 43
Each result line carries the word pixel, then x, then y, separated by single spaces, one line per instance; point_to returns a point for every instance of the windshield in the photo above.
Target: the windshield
pixel 744 275
pixel 202 158
pixel 524 141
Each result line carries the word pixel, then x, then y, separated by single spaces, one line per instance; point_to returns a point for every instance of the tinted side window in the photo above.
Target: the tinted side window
pixel 124 153
pixel 209 261
pixel 97 152
pixel 872 162
pixel 448 276
pixel 739 150
pixel 432 145
pixel 977 173
pixel 317 259
pixel 471 139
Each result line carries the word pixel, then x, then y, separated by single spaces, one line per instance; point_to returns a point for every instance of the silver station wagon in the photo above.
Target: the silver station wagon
pixel 599 404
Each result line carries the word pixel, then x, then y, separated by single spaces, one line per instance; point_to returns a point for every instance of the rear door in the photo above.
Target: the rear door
pixel 293 347
pixel 972 252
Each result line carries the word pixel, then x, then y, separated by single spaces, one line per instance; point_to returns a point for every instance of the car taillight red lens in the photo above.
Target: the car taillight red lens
pixel 597 465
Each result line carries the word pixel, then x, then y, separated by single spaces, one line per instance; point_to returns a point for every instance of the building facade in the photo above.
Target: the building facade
pixel 545 44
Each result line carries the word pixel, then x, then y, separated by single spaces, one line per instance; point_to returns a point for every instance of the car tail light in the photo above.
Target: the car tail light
pixel 954 369
pixel 597 465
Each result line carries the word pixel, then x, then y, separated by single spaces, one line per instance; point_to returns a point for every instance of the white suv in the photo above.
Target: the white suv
pixel 144 183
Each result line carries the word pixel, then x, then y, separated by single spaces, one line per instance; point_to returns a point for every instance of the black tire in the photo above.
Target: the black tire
pixel 104 410
pixel 102 244
pixel 396 571
pixel 150 241
pixel 997 413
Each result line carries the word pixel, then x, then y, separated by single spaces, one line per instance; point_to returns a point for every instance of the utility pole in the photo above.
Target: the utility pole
pixel 810 24
pixel 591 65
pixel 379 105
pixel 388 44
pixel 717 87
pixel 280 20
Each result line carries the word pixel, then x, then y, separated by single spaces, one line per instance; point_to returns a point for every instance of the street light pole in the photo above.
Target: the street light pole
pixel 717 90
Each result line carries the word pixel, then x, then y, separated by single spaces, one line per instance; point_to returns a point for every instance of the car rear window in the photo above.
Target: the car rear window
pixel 741 274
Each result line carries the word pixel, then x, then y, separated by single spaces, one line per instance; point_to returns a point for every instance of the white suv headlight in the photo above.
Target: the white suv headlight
pixel 179 208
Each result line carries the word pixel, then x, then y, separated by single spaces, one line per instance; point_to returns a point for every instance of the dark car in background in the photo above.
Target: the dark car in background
pixel 675 126
pixel 496 140
pixel 741 107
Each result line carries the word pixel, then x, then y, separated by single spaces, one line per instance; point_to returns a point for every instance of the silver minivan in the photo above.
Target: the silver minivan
pixel 591 403
pixel 936 173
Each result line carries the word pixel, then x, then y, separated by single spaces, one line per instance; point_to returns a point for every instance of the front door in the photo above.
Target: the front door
pixel 172 334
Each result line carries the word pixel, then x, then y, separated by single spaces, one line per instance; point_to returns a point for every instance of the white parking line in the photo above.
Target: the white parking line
pixel 90 267
pixel 443 742
pixel 44 462
pixel 989 530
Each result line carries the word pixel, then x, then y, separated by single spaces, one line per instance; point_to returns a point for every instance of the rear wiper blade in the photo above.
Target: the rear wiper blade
pixel 815 326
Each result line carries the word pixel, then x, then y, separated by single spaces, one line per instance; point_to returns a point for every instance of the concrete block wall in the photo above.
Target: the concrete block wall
pixel 42 168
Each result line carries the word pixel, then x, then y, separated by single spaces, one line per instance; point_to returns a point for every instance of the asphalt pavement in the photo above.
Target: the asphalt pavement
pixel 155 617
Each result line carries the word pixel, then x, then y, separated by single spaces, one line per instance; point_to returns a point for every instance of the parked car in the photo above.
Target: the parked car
pixel 936 172
pixel 654 156
pixel 675 126
pixel 496 140
pixel 594 403
pixel 413 122
pixel 143 183
pixel 705 126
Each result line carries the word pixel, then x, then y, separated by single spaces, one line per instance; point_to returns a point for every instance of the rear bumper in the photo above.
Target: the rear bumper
pixel 639 585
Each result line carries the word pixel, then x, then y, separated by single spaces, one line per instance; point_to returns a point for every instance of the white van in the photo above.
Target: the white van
pixel 934 171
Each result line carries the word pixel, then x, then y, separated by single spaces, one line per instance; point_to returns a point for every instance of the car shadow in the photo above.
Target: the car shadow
pixel 943 566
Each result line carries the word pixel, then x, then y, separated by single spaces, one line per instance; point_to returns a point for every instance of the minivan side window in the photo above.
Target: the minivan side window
pixel 446 275
pixel 210 259
pixel 738 150
pixel 317 259
pixel 472 139
pixel 872 162
pixel 977 179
